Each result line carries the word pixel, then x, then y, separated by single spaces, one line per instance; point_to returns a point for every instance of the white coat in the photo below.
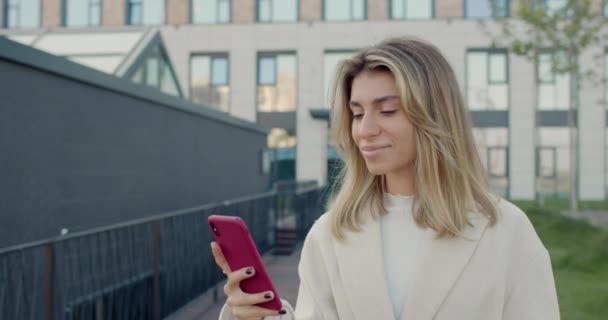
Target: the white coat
pixel 491 273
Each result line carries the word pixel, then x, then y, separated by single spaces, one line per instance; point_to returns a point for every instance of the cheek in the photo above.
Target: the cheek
pixel 353 133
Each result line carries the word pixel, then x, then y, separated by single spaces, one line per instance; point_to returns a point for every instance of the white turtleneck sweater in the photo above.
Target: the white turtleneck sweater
pixel 401 244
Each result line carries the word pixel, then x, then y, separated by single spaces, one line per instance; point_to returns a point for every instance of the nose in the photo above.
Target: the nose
pixel 368 126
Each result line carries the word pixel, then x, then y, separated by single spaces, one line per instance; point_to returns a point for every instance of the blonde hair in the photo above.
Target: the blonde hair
pixel 449 177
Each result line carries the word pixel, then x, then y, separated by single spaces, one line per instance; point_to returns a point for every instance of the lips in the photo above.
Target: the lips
pixel 369 151
pixel 373 148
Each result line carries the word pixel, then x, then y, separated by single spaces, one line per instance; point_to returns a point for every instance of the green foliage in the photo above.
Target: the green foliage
pixel 579 255
pixel 570 29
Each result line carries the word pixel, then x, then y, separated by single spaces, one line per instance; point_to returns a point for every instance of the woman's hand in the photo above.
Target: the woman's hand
pixel 242 305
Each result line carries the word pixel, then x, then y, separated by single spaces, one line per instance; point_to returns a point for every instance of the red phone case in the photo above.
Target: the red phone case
pixel 240 251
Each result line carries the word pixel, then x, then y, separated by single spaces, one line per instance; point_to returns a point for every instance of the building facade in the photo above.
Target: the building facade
pixel 271 62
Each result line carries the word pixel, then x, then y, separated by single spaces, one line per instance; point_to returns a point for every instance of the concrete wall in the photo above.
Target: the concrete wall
pixel 591 140
pixel 178 12
pixel 449 8
pixel 377 9
pixel 310 10
pixel 51 13
pixel 82 149
pixel 114 12
pixel 311 40
pixel 243 11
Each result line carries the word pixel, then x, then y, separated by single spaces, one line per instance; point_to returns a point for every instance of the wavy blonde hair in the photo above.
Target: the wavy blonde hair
pixel 449 180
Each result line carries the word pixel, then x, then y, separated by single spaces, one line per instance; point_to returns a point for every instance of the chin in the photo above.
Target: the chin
pixel 376 170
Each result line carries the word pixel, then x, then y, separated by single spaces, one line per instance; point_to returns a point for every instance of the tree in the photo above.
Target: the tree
pixel 567 28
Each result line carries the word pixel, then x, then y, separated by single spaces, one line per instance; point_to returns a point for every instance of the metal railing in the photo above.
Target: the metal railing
pixel 143 269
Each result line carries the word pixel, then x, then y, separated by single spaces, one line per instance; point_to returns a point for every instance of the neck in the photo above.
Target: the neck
pixel 400 184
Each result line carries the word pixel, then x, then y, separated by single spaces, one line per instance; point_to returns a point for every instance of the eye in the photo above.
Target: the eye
pixel 388 112
pixel 357 116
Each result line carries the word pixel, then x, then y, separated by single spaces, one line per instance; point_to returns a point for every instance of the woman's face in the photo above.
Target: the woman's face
pixel 380 128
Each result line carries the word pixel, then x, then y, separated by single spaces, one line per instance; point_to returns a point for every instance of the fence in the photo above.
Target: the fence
pixel 142 269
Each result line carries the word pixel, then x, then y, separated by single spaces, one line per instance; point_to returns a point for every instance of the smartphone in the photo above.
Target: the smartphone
pixel 239 249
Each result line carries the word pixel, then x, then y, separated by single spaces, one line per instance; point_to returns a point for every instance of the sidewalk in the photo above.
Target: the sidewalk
pixel 282 269
pixel 598 218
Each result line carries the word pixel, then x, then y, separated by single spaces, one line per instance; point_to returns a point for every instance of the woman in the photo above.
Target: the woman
pixel 413 231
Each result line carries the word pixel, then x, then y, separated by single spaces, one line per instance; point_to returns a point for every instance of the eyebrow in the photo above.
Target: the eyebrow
pixel 376 101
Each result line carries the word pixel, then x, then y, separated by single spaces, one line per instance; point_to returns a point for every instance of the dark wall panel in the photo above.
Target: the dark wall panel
pixel 74 155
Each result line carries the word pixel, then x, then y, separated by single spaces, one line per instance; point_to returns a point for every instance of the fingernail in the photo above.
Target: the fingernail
pixel 282 312
pixel 249 270
pixel 268 295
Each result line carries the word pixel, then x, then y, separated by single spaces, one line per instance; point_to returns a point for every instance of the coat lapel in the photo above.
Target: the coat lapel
pixel 363 277
pixel 440 267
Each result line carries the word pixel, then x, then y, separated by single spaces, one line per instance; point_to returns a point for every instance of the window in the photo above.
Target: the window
pixel 411 9
pixel 330 64
pixel 276 82
pixel 546 162
pixel 146 12
pixel 552 6
pixel 344 10
pixel 487 82
pixel 210 11
pixel 553 89
pixel 82 13
pixel 553 162
pixel 22 13
pixel 209 80
pixel 156 72
pixel 493 148
pixel 281 138
pixel 486 8
pixel 277 10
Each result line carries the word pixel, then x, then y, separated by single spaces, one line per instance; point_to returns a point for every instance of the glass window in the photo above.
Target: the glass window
pixel 411 9
pixel 498 67
pixel 330 64
pixel 209 85
pixel 281 138
pixel 22 13
pixel 147 12
pixel 156 72
pixel 553 162
pixel 486 8
pixel 210 11
pixel 277 10
pixel 267 71
pixel 81 13
pixel 553 88
pixel 344 10
pixel 497 161
pixel 219 71
pixel 546 162
pixel 168 83
pixel 554 5
pixel 153 70
pixel 276 90
pixel 487 80
pixel 493 145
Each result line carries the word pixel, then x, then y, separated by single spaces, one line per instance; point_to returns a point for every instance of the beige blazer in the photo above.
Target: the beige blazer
pixel 499 272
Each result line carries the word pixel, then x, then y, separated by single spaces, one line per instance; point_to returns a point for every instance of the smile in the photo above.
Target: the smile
pixel 373 150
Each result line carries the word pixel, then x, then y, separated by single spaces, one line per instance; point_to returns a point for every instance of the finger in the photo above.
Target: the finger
pixel 235 278
pixel 252 312
pixel 218 255
pixel 248 299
